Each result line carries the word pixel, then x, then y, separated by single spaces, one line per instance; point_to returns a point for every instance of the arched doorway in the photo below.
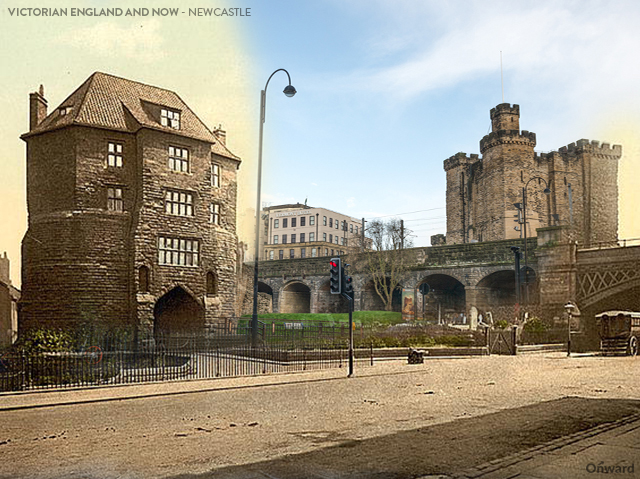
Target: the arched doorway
pixel 296 298
pixel 177 312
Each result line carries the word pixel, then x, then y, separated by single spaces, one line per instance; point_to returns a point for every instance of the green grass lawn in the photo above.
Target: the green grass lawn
pixel 360 317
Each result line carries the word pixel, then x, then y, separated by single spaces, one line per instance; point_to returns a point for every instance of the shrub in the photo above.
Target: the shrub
pixel 535 325
pixel 45 341
pixel 501 324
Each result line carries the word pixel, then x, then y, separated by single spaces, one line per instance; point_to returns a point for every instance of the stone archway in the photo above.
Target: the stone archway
pixel 373 302
pixel 497 289
pixel 296 298
pixel 446 299
pixel 178 312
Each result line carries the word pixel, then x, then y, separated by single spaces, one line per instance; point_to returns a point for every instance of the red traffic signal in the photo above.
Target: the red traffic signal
pixel 335 279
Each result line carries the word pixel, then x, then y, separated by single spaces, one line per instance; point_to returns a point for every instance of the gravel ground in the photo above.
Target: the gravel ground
pixel 392 420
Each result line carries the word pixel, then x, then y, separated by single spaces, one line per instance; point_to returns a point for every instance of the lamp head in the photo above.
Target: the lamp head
pixel 289 90
pixel 569 307
pixel 547 191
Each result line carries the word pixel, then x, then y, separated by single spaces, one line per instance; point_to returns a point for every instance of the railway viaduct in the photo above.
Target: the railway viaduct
pixel 474 277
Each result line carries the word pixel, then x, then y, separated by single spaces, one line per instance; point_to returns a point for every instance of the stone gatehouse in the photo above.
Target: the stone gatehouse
pixel 132 212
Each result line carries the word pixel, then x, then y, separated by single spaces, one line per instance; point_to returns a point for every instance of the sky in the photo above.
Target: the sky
pixel 387 90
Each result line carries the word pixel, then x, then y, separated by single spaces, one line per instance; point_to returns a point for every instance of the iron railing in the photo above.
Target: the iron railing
pixel 174 357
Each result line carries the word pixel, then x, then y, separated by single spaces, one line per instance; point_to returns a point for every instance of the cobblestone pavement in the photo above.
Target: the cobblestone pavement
pixel 607 450
pixel 491 417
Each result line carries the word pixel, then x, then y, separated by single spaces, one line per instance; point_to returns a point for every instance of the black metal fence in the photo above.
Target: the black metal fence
pixel 173 358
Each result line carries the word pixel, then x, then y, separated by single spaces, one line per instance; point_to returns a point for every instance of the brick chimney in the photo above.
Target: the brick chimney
pixel 221 134
pixel 5 269
pixel 37 108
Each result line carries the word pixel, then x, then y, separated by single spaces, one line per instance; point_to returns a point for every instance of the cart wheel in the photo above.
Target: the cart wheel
pixel 633 346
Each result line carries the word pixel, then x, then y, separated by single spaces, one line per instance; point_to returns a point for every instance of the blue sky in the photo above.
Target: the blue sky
pixel 387 90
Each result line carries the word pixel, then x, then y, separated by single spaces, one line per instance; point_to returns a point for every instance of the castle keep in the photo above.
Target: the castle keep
pixel 132 212
pixel 482 191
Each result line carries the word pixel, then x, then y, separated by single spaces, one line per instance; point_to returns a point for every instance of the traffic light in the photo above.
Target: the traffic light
pixel 336 276
pixel 347 284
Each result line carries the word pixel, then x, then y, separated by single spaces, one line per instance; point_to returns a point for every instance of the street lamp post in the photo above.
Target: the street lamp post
pixel 289 91
pixel 524 219
pixel 569 307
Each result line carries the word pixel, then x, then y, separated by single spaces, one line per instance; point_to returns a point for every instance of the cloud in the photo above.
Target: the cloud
pixel 559 44
pixel 141 42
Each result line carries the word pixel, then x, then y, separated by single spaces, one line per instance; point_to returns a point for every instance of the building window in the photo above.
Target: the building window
pixel 275 239
pixel 356 230
pixel 178 159
pixel 314 252
pixel 178 203
pixel 143 279
pixel 214 213
pixel 114 199
pixel 350 228
pixel 332 253
pixel 284 239
pixel 293 222
pixel 114 155
pixel 212 284
pixel 178 251
pixel 215 175
pixel 312 221
pixel 170 118
pixel 303 252
pixel 292 253
pixel 276 223
pixel 330 238
pixel 312 237
pixel 324 236
pixel 302 221
pixel 293 238
pixel 336 224
pixel 342 241
pixel 326 251
pixel 330 222
pixel 271 254
pixel 281 254
pixel 336 239
pixel 301 237
pixel 324 221
pixel 284 222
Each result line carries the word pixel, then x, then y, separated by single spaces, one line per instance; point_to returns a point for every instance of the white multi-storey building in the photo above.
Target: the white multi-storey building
pixel 301 231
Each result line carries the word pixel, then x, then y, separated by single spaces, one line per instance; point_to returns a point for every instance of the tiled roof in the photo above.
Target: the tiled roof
pixel 116 103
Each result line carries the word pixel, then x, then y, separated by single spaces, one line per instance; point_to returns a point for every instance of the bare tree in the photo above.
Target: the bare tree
pixel 386 259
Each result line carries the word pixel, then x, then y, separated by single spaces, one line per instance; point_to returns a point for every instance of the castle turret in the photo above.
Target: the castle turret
pixel 505 117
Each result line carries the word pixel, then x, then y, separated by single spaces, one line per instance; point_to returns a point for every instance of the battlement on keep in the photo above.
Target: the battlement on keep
pixel 459 159
pixel 502 137
pixel 594 147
